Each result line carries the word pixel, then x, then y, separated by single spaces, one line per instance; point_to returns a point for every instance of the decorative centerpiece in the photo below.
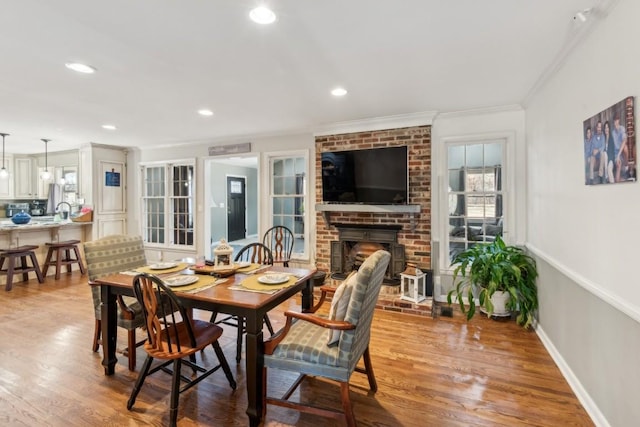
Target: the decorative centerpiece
pixel 21 218
pixel 222 254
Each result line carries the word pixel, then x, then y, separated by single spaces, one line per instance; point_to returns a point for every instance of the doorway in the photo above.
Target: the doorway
pixel 236 208
pixel 216 206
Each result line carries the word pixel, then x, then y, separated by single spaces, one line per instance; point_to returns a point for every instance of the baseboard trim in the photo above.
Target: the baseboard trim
pixel 585 399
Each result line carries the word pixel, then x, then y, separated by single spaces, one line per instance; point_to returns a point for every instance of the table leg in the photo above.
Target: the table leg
pixel 109 329
pixel 307 296
pixel 255 363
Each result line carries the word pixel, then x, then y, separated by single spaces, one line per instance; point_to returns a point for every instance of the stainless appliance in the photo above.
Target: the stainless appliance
pixel 38 207
pixel 13 208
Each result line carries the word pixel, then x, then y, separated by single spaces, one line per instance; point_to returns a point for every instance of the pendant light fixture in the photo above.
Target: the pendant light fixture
pixel 45 175
pixel 3 172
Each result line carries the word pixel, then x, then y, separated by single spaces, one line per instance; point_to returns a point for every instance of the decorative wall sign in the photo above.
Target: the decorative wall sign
pixel 609 143
pixel 221 150
pixel 112 179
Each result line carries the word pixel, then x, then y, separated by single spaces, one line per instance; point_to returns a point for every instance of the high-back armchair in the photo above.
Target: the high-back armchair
pixel 330 347
pixel 110 255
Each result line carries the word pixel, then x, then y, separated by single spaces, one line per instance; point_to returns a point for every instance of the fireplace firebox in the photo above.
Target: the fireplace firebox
pixel 357 241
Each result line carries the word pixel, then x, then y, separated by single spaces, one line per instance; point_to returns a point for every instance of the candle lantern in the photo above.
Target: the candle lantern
pixel 222 254
pixel 413 284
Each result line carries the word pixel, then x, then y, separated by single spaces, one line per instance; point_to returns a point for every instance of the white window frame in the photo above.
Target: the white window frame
pixel 508 189
pixel 267 214
pixel 168 197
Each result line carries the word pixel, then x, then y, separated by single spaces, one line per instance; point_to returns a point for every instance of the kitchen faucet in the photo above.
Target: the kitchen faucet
pixel 63 214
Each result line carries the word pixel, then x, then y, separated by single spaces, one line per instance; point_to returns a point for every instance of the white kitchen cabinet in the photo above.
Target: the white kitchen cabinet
pixel 43 185
pixel 6 184
pixel 25 187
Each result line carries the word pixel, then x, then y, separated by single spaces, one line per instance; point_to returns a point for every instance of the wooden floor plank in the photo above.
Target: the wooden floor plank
pixel 430 372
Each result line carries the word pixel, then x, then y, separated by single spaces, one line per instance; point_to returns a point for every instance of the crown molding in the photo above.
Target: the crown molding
pixel 478 111
pixel 576 37
pixel 424 118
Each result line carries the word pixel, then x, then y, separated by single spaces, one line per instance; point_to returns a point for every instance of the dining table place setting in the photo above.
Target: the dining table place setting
pixel 191 283
pixel 267 283
pixel 166 267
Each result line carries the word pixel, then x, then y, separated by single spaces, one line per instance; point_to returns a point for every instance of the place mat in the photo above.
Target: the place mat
pixel 203 281
pixel 146 269
pixel 250 268
pixel 252 283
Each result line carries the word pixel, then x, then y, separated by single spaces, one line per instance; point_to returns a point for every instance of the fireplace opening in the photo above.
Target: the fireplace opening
pixel 356 242
pixel 359 253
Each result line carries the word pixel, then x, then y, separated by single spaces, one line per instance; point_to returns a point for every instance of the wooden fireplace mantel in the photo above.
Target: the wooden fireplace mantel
pixel 327 208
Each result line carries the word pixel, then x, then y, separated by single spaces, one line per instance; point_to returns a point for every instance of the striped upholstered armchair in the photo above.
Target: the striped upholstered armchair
pixel 330 347
pixel 109 255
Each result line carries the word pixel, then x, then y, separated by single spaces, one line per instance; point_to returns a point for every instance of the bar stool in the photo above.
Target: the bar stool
pixel 63 256
pixel 22 252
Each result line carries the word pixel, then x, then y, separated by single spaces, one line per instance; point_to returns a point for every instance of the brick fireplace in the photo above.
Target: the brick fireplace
pixel 412 230
pixel 357 241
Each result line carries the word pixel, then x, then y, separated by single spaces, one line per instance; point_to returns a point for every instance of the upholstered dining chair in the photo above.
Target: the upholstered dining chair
pixel 280 240
pixel 173 339
pixel 110 255
pixel 330 347
pixel 255 253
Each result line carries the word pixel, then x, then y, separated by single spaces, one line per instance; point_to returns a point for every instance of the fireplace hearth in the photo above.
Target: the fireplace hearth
pixel 357 241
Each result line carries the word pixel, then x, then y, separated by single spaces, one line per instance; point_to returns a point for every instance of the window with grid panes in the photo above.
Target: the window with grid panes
pixel 288 183
pixel 476 196
pixel 168 204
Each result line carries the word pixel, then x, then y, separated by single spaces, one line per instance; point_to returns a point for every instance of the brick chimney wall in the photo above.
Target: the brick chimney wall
pixel 417 242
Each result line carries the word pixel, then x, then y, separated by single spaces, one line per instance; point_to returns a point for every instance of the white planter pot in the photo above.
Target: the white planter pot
pixel 499 300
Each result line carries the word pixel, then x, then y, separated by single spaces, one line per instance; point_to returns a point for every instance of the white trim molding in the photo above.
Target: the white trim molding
pixel 589 405
pixel 424 118
pixel 610 298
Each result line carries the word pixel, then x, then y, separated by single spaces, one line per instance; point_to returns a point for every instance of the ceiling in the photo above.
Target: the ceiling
pixel 159 61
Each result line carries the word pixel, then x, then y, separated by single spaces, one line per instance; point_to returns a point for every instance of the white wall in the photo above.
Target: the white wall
pixel 507 123
pixel 199 151
pixel 586 237
pixel 591 230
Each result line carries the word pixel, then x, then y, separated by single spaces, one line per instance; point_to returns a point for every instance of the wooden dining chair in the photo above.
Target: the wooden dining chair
pixel 255 253
pixel 110 255
pixel 329 347
pixel 280 240
pixel 174 338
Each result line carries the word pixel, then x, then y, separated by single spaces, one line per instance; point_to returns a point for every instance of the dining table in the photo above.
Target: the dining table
pixel 224 296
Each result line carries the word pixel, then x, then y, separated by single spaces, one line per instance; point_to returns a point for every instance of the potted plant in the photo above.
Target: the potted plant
pixel 494 272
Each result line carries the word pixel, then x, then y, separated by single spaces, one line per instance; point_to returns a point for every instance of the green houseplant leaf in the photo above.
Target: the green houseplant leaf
pixel 484 269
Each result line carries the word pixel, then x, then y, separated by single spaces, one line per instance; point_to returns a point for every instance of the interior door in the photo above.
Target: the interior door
pixel 236 206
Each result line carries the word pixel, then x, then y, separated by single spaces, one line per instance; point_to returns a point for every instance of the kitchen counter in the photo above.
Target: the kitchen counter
pixel 39 231
pixel 38 223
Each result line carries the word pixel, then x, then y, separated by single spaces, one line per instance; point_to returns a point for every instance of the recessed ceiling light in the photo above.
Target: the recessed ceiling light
pixel 80 68
pixel 339 91
pixel 205 112
pixel 109 127
pixel 262 15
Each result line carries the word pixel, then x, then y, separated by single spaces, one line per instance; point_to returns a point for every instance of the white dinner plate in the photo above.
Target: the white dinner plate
pixel 182 280
pixel 163 265
pixel 273 279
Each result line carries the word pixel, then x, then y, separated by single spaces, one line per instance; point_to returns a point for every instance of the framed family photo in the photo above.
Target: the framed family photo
pixel 610 145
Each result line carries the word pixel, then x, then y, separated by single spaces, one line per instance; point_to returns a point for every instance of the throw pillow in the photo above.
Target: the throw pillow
pixel 339 305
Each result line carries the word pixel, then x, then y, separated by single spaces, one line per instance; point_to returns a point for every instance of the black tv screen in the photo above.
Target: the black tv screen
pixel 371 176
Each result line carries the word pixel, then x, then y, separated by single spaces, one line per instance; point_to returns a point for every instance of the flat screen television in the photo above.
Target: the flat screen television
pixel 370 176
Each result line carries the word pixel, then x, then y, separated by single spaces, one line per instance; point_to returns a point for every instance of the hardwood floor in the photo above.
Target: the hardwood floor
pixel 430 372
